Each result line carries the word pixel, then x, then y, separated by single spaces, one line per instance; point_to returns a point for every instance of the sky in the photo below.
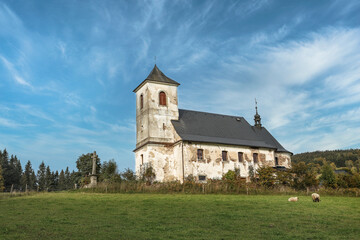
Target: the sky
pixel 68 69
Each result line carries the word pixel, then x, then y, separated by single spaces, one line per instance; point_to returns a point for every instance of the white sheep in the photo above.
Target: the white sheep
pixel 315 197
pixel 293 199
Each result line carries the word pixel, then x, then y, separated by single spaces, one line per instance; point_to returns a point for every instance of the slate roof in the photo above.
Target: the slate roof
pixel 156 75
pixel 223 129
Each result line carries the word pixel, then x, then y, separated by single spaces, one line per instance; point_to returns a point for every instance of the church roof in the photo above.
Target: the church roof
pixel 156 75
pixel 223 129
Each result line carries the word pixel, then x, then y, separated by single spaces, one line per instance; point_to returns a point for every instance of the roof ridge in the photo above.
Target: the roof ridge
pixel 218 114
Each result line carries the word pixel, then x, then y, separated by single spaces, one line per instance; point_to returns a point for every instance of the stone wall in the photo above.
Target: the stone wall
pixel 212 166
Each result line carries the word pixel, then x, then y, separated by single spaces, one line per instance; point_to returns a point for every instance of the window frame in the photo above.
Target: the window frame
pixel 162 100
pixel 200 150
pixel 241 156
pixel 141 101
pixel 256 158
pixel 224 153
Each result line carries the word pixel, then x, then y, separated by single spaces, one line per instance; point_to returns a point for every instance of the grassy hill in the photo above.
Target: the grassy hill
pixel 339 157
pixel 177 216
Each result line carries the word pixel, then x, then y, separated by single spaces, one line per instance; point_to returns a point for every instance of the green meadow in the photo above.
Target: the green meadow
pixel 74 215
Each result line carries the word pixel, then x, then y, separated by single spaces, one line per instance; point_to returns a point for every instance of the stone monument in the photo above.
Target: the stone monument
pixel 93 176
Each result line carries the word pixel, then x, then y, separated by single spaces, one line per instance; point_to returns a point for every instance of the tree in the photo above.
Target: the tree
pixel 128 175
pixel 84 164
pixel 2 182
pixel 62 182
pixel 14 171
pixel 266 175
pixel 41 176
pixel 68 179
pixel 284 178
pixel 252 174
pixel 328 176
pixel 5 166
pixel 305 175
pixel 148 174
pixel 49 179
pixel 28 179
pixel 109 171
pixel 56 180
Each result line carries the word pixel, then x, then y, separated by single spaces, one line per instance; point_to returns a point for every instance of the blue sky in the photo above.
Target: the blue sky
pixel 68 68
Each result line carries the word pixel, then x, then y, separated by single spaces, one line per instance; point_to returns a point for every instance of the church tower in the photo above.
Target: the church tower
pixel 156 106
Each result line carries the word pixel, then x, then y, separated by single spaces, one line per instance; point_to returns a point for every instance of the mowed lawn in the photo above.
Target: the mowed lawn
pixel 161 216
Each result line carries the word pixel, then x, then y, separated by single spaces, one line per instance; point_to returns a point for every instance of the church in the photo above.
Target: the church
pixel 179 143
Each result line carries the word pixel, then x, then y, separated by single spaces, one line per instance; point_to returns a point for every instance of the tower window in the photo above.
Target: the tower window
pixel 141 101
pixel 200 154
pixel 142 159
pixel 162 99
pixel 224 155
pixel 241 156
pixel 276 161
pixel 255 157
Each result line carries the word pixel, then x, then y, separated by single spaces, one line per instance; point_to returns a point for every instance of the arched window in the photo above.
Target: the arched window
pixel 141 101
pixel 162 98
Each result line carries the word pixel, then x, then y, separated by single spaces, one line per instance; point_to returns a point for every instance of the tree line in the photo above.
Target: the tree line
pixel 14 177
pixel 338 157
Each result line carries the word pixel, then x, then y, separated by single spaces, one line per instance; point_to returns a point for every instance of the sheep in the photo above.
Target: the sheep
pixel 293 199
pixel 315 197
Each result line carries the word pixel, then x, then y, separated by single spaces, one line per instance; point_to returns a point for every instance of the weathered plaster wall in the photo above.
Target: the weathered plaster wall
pixel 284 159
pixel 214 167
pixel 165 160
pixel 153 121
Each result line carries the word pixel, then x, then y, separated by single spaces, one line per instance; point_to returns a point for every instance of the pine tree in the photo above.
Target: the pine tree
pixel 33 180
pixel 41 177
pixel 62 182
pixel 49 179
pixel 2 182
pixel 5 166
pixel 14 172
pixel 28 179
pixel 68 182
pixel 56 180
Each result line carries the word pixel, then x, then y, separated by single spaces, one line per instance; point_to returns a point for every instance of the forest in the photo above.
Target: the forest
pixel 338 157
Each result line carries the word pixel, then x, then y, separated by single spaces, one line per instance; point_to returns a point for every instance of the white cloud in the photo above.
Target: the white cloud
pixel 14 73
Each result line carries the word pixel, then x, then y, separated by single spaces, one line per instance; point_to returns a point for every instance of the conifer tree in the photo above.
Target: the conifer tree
pixel 14 172
pixel 28 179
pixel 41 177
pixel 62 182
pixel 2 182
pixel 68 182
pixel 49 179
pixel 56 180
pixel 5 166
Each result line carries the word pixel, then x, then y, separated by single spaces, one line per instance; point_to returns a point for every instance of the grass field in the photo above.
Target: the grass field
pixel 150 216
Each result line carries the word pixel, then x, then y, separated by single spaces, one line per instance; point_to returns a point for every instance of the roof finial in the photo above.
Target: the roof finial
pixel 256 106
pixel 257 117
pixel 155 60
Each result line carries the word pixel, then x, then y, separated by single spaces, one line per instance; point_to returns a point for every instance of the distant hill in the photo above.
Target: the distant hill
pixel 336 156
